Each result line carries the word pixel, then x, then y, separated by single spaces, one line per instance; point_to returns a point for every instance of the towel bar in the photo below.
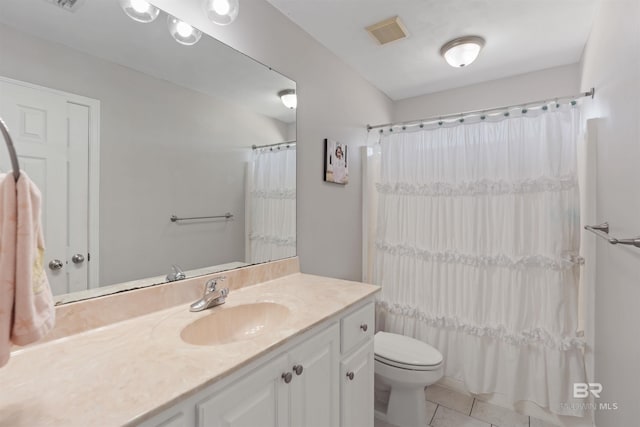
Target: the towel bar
pixel 175 218
pixel 602 231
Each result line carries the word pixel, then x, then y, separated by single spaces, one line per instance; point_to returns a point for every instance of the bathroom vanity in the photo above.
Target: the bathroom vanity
pixel 324 377
pixel 296 350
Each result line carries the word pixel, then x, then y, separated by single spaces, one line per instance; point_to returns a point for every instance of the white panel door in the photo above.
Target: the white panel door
pixel 77 263
pixel 356 406
pixel 315 400
pixel 40 125
pixel 259 399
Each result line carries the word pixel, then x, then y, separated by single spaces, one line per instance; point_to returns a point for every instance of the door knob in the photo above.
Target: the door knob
pixel 77 259
pixel 287 377
pixel 350 375
pixel 298 369
pixel 55 265
pixel 364 327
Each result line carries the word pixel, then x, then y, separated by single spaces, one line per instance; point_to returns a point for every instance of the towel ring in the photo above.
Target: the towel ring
pixel 12 151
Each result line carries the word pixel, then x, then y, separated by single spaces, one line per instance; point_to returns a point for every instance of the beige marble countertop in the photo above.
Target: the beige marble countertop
pixel 128 371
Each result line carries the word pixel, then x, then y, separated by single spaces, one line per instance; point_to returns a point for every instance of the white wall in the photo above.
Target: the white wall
pixel 334 102
pixel 537 85
pixel 164 150
pixel 611 64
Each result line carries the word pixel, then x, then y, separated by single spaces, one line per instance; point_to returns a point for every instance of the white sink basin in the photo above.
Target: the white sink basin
pixel 231 324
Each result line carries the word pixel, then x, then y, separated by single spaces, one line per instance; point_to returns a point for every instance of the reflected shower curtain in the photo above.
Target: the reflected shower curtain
pixel 476 227
pixel 272 199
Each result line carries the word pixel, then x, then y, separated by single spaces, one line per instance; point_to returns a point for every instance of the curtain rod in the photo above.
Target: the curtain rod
pixel 255 147
pixel 591 93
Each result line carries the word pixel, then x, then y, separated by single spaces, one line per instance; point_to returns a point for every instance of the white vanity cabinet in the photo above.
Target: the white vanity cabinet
pixel 315 386
pixel 322 379
pixel 355 389
pixel 356 368
pixel 259 399
pixel 299 388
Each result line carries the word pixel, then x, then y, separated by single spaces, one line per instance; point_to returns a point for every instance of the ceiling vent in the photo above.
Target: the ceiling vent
pixel 68 5
pixel 388 31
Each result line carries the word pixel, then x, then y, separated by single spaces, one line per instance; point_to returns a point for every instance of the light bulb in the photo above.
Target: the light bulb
pixel 221 7
pixel 184 29
pixel 221 12
pixel 140 6
pixel 183 32
pixel 140 10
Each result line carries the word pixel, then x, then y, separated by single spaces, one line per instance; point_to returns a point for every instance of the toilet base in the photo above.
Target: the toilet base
pixel 406 405
pixel 406 408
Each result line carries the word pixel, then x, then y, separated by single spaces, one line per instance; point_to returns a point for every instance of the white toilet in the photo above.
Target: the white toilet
pixel 407 366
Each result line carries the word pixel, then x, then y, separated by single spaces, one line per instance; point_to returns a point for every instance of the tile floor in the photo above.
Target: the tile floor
pixel 447 408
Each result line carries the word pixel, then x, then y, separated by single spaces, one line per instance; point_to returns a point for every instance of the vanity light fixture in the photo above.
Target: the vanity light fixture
pixel 289 98
pixel 462 51
pixel 183 33
pixel 221 12
pixel 140 10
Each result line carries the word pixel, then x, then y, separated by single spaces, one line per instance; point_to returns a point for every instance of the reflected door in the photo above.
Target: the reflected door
pixel 51 138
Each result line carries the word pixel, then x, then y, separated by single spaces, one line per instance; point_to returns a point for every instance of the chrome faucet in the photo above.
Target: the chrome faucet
pixel 176 274
pixel 211 296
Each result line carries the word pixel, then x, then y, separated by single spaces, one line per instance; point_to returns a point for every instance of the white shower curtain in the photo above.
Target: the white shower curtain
pixel 476 225
pixel 272 199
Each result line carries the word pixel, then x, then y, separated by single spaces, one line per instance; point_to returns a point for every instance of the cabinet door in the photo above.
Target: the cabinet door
pixel 177 420
pixel 314 391
pixel 356 387
pixel 259 399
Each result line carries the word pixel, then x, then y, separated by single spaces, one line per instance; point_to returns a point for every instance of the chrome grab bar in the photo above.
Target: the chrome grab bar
pixel 226 216
pixel 602 231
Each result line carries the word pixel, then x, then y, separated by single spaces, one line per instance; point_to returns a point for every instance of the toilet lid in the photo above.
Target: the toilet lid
pixel 405 350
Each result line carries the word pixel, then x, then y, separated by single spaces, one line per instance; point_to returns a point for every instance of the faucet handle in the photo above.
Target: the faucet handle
pixel 176 273
pixel 211 284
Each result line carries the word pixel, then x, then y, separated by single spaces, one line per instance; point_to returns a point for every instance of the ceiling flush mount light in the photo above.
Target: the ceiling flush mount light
pixel 221 12
pixel 140 10
pixel 183 33
pixel 289 98
pixel 462 51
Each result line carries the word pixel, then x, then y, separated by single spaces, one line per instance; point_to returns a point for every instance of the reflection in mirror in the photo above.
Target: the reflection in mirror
pixel 122 128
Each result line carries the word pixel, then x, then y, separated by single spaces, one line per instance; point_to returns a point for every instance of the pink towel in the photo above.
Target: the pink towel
pixel 8 223
pixel 26 305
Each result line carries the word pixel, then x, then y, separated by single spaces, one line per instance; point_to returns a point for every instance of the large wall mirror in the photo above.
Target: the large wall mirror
pixel 122 128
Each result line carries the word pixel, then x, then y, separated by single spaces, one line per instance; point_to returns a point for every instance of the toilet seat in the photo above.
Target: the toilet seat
pixel 405 352
pixel 407 366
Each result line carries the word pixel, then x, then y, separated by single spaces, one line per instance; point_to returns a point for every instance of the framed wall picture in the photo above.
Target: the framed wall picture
pixel 336 165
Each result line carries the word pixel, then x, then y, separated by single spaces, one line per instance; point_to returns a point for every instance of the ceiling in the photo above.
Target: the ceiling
pixel 521 36
pixel 209 67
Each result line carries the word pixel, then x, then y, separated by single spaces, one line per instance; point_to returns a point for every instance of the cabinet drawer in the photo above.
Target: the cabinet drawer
pixel 357 328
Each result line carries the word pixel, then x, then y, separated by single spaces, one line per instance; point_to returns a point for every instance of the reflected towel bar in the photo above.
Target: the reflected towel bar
pixel 226 216
pixel 602 231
